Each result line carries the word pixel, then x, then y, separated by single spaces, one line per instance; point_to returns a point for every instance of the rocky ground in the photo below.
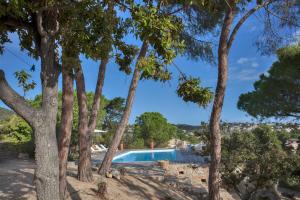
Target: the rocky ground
pixel 138 183
pixel 180 182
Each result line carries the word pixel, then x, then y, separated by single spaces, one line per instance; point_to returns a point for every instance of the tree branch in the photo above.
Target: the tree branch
pixel 175 11
pixel 279 17
pixel 124 5
pixel 40 27
pixel 14 23
pixel 16 102
pixel 53 32
pixel 242 20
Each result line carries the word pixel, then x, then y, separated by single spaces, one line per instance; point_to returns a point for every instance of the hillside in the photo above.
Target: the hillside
pixel 5 113
pixel 187 127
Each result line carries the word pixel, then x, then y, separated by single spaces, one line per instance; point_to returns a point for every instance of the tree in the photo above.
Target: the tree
pixel 114 111
pixel 36 24
pixel 105 31
pixel 87 126
pixel 160 31
pixel 226 39
pixel 247 156
pixel 66 120
pixel 277 93
pixel 63 128
pixel 153 127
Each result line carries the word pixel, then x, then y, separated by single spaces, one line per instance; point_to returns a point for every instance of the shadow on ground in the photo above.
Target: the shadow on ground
pixel 16 182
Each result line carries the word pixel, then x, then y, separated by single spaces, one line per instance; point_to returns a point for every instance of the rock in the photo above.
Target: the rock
pixel 108 175
pixel 171 181
pixel 23 155
pixel 164 164
pixel 116 174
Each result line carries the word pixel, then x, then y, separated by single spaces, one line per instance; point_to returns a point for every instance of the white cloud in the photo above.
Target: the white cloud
pixel 242 60
pixel 254 64
pixel 247 61
pixel 247 75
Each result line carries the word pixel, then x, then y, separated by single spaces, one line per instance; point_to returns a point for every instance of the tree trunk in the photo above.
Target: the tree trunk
pixel 84 167
pixel 97 96
pixel 102 69
pixel 66 125
pixel 215 137
pixel 46 152
pixel 43 120
pixel 106 163
pixel 87 126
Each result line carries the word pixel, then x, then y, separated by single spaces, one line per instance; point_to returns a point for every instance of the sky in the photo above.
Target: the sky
pixel 245 66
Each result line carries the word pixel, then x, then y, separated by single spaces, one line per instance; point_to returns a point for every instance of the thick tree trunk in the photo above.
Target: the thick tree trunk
pixel 46 152
pixel 215 135
pixel 106 163
pixel 66 125
pixel 84 166
pixel 43 120
pixel 97 96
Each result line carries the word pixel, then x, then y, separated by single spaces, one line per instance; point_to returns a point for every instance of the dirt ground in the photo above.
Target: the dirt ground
pixel 16 182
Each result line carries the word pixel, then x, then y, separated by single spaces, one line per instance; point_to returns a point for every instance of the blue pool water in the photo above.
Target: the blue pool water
pixel 147 155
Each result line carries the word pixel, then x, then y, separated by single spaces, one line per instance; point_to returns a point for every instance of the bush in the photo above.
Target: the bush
pixel 138 143
pixel 259 156
pixel 17 136
pixel 292 182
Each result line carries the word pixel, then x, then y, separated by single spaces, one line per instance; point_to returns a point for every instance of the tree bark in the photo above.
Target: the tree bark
pixel 84 167
pixel 97 96
pixel 66 124
pixel 44 126
pixel 42 120
pixel 88 125
pixel 46 152
pixel 225 43
pixel 215 137
pixel 106 163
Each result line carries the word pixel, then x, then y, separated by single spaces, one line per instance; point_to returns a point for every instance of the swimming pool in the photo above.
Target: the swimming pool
pixel 147 155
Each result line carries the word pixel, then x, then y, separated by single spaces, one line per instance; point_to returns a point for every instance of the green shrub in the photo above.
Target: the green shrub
pixel 138 143
pixel 17 136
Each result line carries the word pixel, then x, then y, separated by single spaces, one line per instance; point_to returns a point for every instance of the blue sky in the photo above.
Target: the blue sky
pixel 245 66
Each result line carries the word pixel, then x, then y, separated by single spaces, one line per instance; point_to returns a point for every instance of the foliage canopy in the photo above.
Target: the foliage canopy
pixel 276 94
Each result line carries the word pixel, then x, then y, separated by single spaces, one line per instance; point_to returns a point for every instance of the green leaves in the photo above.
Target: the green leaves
pixel 128 52
pixel 161 31
pixel 191 91
pixel 249 154
pixel 152 69
pixel 276 94
pixel 3 39
pixel 23 77
pixel 152 127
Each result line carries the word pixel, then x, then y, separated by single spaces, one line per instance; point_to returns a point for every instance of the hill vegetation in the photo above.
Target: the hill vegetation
pixel 5 113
